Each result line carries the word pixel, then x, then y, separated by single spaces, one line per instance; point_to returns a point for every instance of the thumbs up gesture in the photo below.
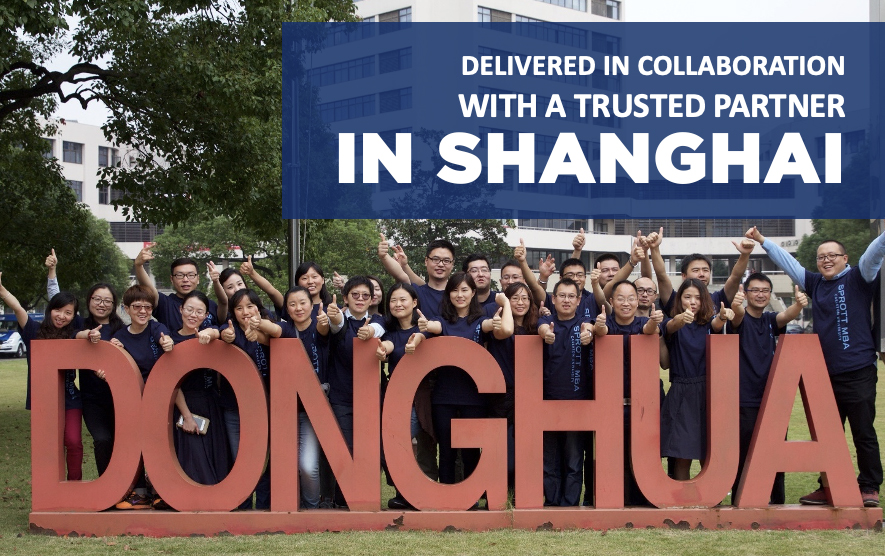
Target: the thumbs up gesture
pixel 657 316
pixel 738 301
pixel 601 323
pixel 594 277
pixel 687 316
pixel 95 334
pixel 579 240
pixel 166 342
pixel 586 333
pixel 549 336
pixel 246 268
pixel 383 247
pixel 519 251
pixel 365 331
pixel 381 352
pixel 801 298
pixel 725 313
pixel 322 317
pixel 497 321
pixel 229 334
pixel 755 235
pixel 422 321
pixel 337 281
pixel 213 271
pixel 51 260
pixel 333 311
pixel 413 342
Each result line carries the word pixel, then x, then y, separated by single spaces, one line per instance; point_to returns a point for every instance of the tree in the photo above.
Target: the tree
pixel 854 234
pixel 193 87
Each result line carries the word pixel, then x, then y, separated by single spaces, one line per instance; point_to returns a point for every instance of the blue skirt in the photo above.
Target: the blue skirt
pixel 684 419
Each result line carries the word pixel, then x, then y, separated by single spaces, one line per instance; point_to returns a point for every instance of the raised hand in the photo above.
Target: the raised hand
pixel 543 311
pixel 246 267
pixel 51 260
pixel 655 238
pixel 251 334
pixel 214 273
pixel 365 331
pixel 322 317
pixel 337 281
pixel 144 256
pixel 383 247
pixel 519 251
pixel 687 316
pixel 755 235
pixel 745 246
pixel 546 267
pixel 549 336
pixel 204 336
pixel 94 335
pixel 586 333
pixel 579 240
pixel 657 316
pixel 228 334
pixel 333 311
pixel 594 277
pixel 166 342
pixel 725 313
pixel 400 255
pixel 422 321
pixel 381 352
pixel 413 342
pixel 738 301
pixel 497 321
pixel 801 298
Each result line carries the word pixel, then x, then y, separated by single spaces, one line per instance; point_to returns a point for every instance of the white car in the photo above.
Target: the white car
pixel 11 343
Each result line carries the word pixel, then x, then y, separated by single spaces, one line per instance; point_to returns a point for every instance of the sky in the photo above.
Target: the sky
pixel 635 10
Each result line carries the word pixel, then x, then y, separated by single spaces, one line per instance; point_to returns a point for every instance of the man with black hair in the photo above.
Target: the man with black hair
pixel 480 269
pixel 185 279
pixel 841 297
pixel 439 261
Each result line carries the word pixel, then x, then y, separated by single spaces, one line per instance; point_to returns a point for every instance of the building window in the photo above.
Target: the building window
pixel 77 186
pixel 551 32
pixel 348 108
pixel 488 15
pixel 606 8
pixel 72 152
pixel 117 194
pixel 579 5
pixel 50 148
pixel 484 137
pixel 342 71
pixel 395 20
pixel 341 33
pixel 395 60
pixel 606 44
pixel 134 232
pixel 103 198
pixel 550 220
pixel 107 157
pixel 398 99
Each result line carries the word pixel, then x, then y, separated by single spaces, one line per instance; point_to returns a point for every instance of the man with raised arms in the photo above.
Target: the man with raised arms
pixel 841 297
pixel 185 279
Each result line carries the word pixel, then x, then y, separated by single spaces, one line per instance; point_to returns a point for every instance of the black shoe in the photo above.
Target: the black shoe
pixel 399 503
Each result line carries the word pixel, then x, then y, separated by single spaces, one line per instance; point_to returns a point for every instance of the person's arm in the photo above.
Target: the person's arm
pixel 745 247
pixel 220 294
pixel 336 315
pixel 665 286
pixel 322 321
pixel 793 311
pixel 781 258
pixel 679 321
pixel 652 325
pixel 725 314
pixel 578 244
pixel 141 274
pixel 433 326
pixel 502 324
pixel 52 286
pixel 598 293
pixel 545 331
pixel 539 292
pixel 385 348
pixel 188 423
pixel 20 314
pixel 391 265
pixel 871 260
pixel 737 305
pixel 270 328
pixel 637 253
pixel 600 328
pixel 263 284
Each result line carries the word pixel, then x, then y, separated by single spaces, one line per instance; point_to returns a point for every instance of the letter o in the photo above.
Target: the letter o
pixel 158 450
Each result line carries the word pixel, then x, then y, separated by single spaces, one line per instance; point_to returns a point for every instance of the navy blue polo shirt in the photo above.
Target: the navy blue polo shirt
pixel 718 299
pixel 627 330
pixel 567 368
pixel 504 352
pixel 144 347
pixel 399 338
pixel 257 352
pixel 315 344
pixel 453 385
pixel 341 362
pixel 429 301
pixel 93 389
pixel 758 341
pixel 688 351
pixel 168 312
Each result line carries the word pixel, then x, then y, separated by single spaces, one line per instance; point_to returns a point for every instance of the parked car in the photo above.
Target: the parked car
pixel 793 328
pixel 11 343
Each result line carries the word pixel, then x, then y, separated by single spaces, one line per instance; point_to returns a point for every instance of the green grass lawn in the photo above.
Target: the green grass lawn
pixel 15 502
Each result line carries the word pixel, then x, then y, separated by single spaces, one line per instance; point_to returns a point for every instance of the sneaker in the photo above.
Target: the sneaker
pixel 816 498
pixel 399 503
pixel 160 504
pixel 134 501
pixel 870 499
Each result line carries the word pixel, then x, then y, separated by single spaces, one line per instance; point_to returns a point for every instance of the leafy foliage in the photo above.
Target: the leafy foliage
pixel 854 234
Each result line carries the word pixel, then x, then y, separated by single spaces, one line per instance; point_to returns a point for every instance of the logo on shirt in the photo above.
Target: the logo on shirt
pixel 841 316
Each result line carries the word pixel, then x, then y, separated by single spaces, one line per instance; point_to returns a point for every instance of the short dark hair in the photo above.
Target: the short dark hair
pixel 380 309
pixel 757 276
pixel 688 259
pixel 440 244
pixel 608 257
pixel 227 273
pixel 391 322
pixel 183 261
pixel 475 257
pixel 572 262
pixel 837 242
pixel 355 281
pixel 566 282
pixel 621 283
pixel 114 321
pixel 138 293
pixel 199 295
pixel 253 298
pixel 512 262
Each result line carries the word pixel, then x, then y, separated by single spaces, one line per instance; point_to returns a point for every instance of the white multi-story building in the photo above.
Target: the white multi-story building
pixel 82 151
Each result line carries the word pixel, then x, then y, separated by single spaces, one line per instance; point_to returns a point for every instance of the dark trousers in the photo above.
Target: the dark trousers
pixel 100 422
pixel 632 495
pixel 563 467
pixel 748 417
pixel 855 394
pixel 442 423
pixel 344 416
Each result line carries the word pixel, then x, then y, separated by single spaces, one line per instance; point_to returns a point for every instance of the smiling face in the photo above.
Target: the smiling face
pixel 691 299
pixel 233 284
pixel 758 294
pixel 62 316
pixel 520 303
pixel 461 297
pixel 358 299
pixel 245 310
pixel 831 259
pixel 101 304
pixel 607 270
pixel 377 293
pixel 510 275
pixel 193 312
pixel 313 281
pixel 625 302
pixel 401 304
pixel 140 312
pixel 439 263
pixel 698 269
pixel 185 278
pixel 299 306
pixel 566 301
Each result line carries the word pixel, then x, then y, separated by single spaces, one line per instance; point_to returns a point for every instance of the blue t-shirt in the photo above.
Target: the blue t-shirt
pixel 399 338
pixel 688 351
pixel 841 309
pixel 627 330
pixel 758 341
pixel 453 385
pixel 144 347
pixel 341 362
pixel 168 312
pixel 72 395
pixel 504 352
pixel 567 366
pixel 93 389
pixel 429 301
pixel 198 379
pixel 258 353
pixel 315 344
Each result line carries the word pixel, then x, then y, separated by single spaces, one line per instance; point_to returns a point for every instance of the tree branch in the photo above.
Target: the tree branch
pixel 49 83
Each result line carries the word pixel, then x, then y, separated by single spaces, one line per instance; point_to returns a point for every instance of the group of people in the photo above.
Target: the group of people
pixel 463 304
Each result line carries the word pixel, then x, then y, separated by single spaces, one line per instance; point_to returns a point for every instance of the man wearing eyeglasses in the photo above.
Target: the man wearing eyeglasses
pixel 479 268
pixel 439 261
pixel 841 298
pixel 185 279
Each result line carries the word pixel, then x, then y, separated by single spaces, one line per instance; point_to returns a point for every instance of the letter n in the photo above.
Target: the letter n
pixel 50 490
pixel 798 363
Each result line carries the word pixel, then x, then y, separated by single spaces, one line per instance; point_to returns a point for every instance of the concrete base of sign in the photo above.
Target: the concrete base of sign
pixel 152 523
